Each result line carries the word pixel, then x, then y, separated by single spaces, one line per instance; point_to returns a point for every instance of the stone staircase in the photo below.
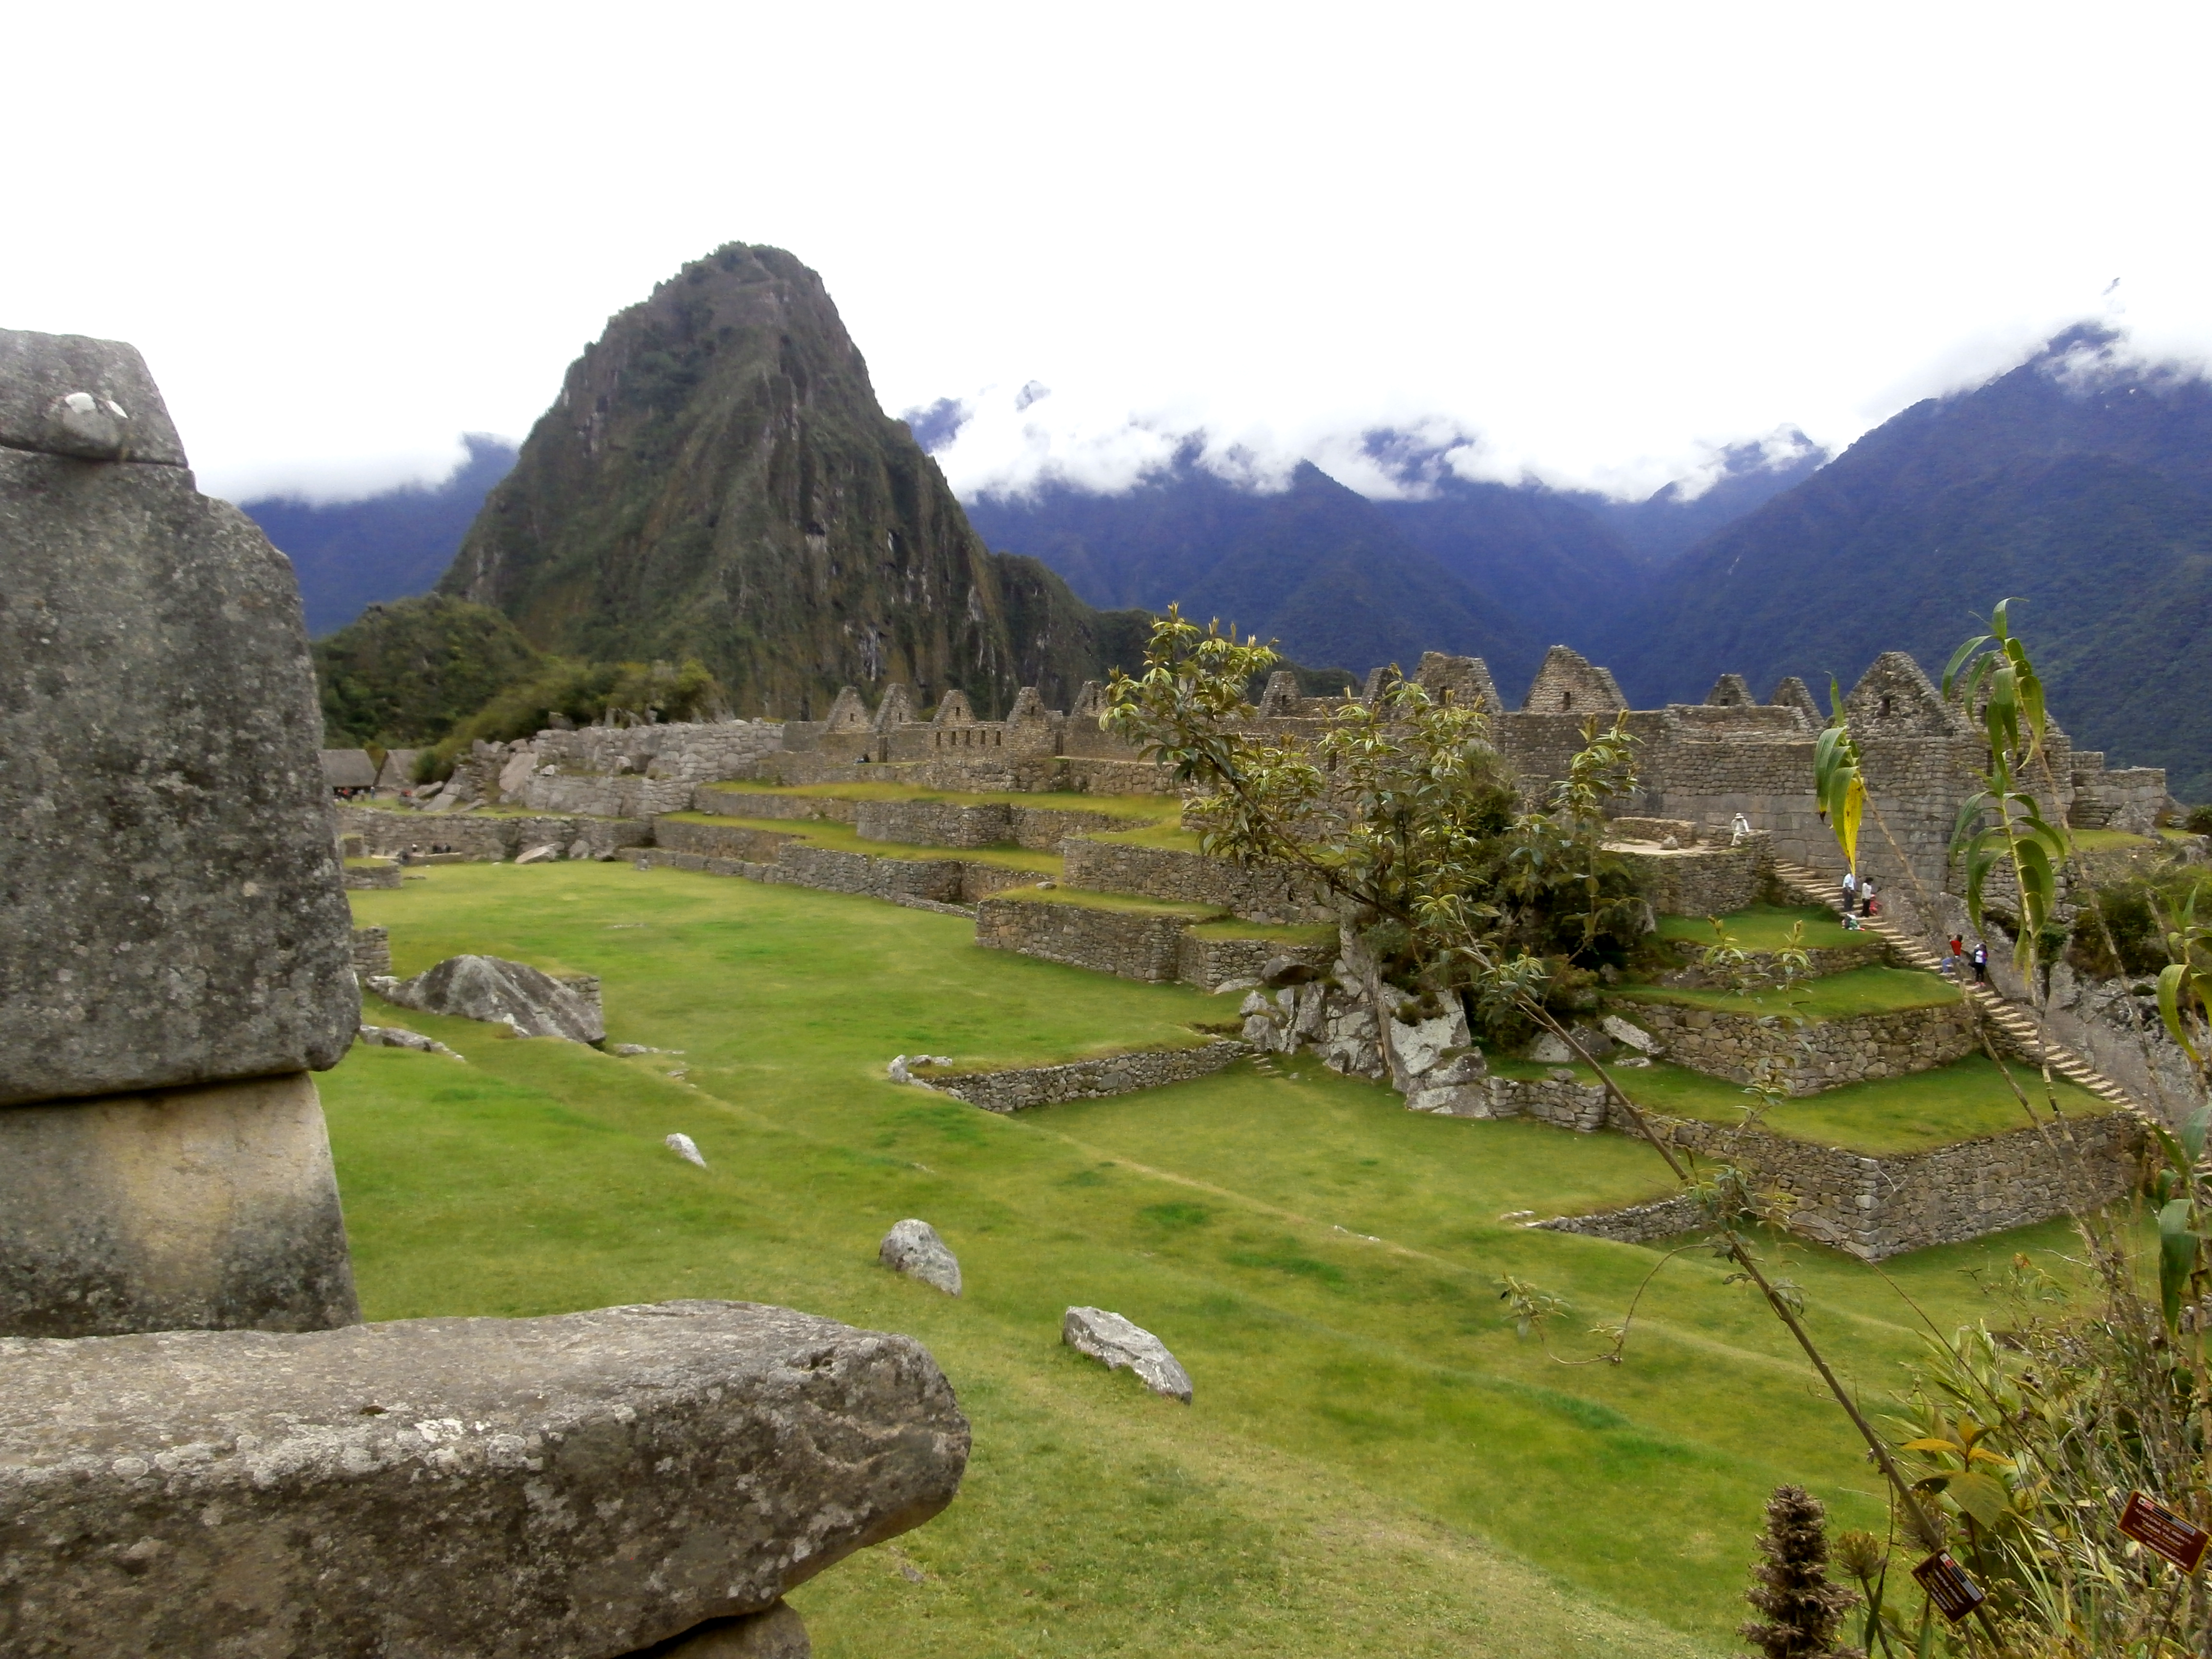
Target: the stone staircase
pixel 2018 1028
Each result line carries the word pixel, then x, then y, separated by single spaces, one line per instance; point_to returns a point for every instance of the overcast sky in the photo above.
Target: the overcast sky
pixel 1598 240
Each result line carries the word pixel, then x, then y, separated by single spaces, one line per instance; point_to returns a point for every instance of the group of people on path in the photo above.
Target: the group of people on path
pixel 1860 900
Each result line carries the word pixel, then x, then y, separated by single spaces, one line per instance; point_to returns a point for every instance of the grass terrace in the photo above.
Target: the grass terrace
pixel 1963 1101
pixel 1375 1465
pixel 1086 899
pixel 1874 990
pixel 1766 927
pixel 840 837
pixel 1287 934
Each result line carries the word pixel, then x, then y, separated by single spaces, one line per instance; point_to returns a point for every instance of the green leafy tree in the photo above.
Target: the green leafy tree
pixel 1403 811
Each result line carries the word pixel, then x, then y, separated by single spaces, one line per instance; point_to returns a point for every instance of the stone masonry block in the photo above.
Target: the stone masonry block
pixel 171 907
pixel 207 1207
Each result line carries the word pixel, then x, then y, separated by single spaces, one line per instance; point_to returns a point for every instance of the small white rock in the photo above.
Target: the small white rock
pixel 685 1148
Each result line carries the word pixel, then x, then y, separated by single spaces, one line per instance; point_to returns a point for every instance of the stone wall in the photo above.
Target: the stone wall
pixel 1017 1090
pixel 1876 1207
pixel 1131 943
pixel 720 840
pixel 1822 960
pixel 757 804
pixel 1183 878
pixel 948 824
pixel 1212 963
pixel 604 797
pixel 490 837
pixel 372 952
pixel 1633 1224
pixel 1693 881
pixel 691 752
pixel 1821 1055
pixel 360 878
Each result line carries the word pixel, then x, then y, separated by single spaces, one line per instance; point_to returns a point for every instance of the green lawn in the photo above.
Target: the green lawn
pixel 1962 1101
pixel 1169 834
pixel 1375 1465
pixel 1288 933
pixel 1766 927
pixel 1832 996
pixel 841 837
pixel 1087 899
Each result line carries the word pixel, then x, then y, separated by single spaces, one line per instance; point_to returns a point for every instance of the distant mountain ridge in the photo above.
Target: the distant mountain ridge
pixel 391 545
pixel 2077 483
pixel 1496 570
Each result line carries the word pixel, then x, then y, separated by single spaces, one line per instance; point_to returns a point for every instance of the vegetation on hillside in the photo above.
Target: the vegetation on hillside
pixel 408 672
pixel 718 483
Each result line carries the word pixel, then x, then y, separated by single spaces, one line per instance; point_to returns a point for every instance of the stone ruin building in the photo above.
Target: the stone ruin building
pixel 1700 764
pixel 202 1450
pixel 1723 817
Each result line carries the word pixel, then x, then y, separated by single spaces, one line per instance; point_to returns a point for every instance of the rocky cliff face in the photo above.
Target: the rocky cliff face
pixel 716 479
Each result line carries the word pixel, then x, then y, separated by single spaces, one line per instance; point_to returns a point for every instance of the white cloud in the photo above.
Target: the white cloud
pixel 1607 240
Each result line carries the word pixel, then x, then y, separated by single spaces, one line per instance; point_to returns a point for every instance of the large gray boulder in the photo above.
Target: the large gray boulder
pixel 1118 1344
pixel 571 1487
pixel 501 992
pixel 171 907
pixel 913 1249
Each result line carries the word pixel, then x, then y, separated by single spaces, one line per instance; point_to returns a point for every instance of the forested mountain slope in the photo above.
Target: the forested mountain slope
pixel 2077 483
pixel 716 480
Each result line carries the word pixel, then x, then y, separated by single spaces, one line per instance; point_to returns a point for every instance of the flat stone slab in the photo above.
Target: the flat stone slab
pixel 571 1487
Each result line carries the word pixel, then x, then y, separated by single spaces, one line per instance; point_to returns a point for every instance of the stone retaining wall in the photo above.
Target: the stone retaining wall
pixel 1634 1224
pixel 1132 944
pixel 360 877
pixel 489 838
pixel 720 840
pixel 1693 881
pixel 1821 1055
pixel 756 804
pixel 783 875
pixel 1185 878
pixel 1086 1080
pixel 1880 1207
pixel 1210 964
pixel 372 952
pixel 592 796
pixel 951 824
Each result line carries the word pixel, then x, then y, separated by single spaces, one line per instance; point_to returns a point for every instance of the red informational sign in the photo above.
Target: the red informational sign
pixel 1954 1594
pixel 2155 1526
